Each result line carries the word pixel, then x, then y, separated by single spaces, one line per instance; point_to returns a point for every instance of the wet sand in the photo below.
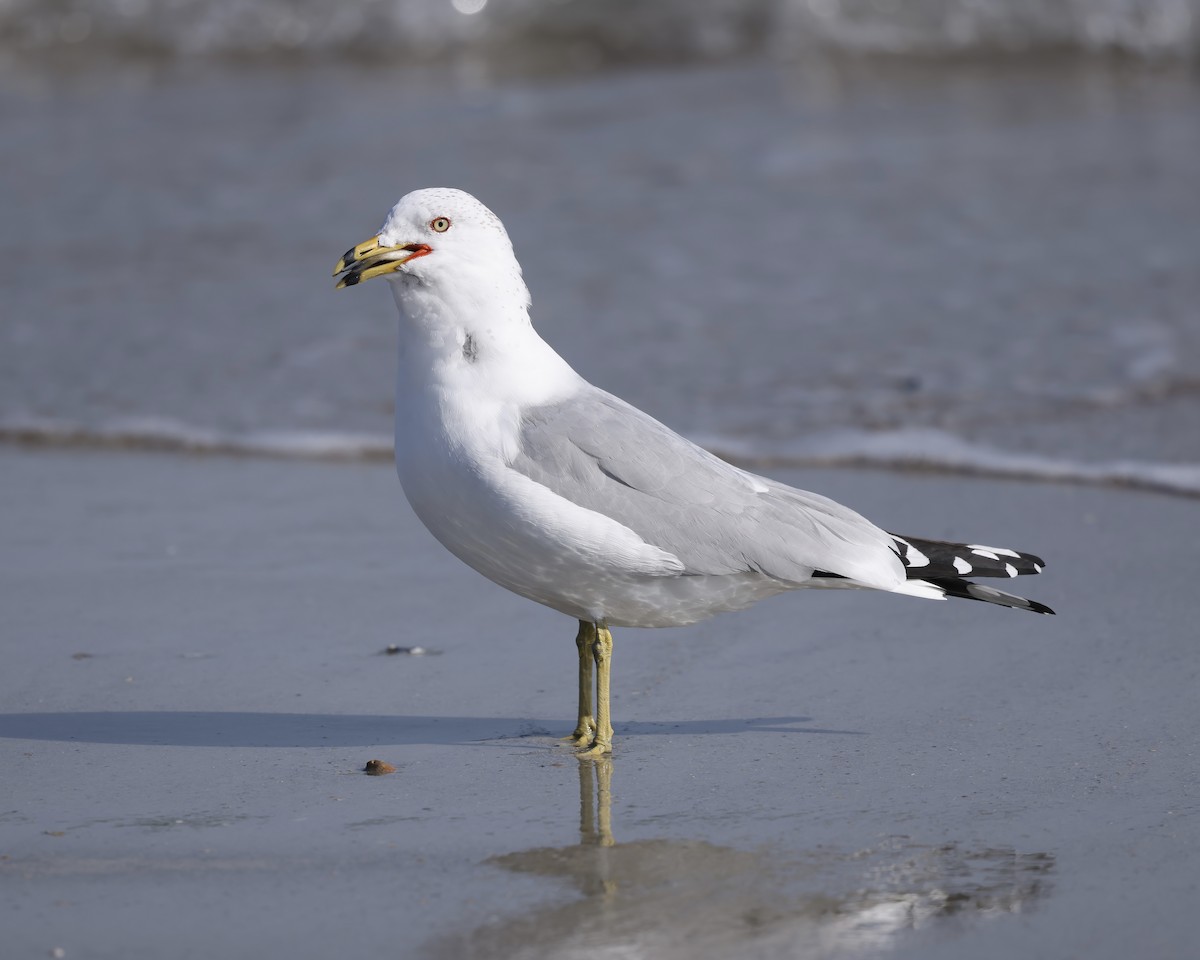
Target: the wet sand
pixel 194 677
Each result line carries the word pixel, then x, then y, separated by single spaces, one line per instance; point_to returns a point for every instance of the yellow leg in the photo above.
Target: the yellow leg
pixel 585 642
pixel 602 652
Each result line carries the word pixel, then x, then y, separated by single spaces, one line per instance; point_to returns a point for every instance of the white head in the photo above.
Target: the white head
pixel 463 304
pixel 442 248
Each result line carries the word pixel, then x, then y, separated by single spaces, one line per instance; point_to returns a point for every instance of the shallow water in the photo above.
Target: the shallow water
pixel 891 261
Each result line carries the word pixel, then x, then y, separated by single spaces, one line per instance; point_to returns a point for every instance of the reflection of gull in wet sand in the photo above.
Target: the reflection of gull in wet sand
pixel 667 898
pixel 568 496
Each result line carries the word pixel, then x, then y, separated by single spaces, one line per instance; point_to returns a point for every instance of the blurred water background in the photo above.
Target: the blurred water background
pixel 621 30
pixel 953 233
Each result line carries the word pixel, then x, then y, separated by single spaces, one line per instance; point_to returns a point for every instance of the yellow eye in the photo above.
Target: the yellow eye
pixel 440 224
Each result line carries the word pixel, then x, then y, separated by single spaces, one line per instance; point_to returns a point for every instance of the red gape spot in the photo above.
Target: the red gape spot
pixel 418 250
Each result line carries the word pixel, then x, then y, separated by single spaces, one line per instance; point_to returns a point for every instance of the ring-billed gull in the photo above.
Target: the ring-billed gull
pixel 571 497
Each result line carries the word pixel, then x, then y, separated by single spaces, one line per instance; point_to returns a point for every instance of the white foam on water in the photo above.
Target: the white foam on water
pixel 925 449
pixel 913 449
pixel 160 433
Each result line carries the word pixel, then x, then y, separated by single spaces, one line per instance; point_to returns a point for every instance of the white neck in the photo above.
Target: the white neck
pixel 477 336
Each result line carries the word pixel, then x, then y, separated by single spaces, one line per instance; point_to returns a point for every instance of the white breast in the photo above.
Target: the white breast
pixel 457 427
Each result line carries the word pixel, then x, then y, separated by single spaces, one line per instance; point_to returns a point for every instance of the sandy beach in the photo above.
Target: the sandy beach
pixel 195 677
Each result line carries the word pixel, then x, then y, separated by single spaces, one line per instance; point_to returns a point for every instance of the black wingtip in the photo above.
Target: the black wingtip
pixel 968 590
pixel 926 559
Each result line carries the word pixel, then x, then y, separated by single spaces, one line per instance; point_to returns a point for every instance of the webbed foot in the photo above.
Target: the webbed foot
pixel 584 734
pixel 597 748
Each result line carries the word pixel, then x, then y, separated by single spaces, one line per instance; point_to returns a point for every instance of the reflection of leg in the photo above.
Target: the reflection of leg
pixel 597 874
pixel 604 801
pixel 595 802
pixel 587 817
pixel 605 871
pixel 602 648
pixel 585 641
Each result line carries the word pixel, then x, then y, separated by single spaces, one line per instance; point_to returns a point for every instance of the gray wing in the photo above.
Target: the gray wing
pixel 605 455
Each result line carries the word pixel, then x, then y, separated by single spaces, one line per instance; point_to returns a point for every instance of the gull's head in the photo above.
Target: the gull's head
pixel 432 236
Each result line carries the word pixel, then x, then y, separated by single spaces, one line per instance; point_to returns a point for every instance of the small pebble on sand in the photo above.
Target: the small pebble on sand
pixel 392 649
pixel 378 768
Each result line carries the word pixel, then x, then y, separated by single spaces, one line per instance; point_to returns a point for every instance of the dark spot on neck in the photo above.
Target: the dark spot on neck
pixel 470 352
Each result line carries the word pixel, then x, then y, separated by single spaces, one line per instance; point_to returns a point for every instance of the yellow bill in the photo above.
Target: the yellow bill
pixel 373 259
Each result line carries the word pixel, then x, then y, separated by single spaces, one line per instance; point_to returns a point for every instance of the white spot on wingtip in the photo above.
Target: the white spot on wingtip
pixel 962 566
pixel 984 551
pixel 1010 569
pixel 1037 568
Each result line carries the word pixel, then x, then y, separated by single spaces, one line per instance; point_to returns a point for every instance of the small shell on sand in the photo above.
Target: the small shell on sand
pixel 378 768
